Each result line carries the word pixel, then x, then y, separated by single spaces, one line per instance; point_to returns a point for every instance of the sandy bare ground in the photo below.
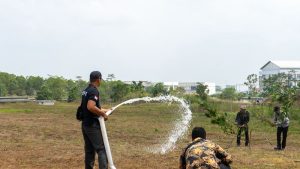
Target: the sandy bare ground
pixel 33 136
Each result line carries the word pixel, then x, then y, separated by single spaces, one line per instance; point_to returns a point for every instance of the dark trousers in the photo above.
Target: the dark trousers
pixel 284 131
pixel 224 166
pixel 238 140
pixel 93 143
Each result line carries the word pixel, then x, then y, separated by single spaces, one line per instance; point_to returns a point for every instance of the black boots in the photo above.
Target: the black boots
pixel 277 148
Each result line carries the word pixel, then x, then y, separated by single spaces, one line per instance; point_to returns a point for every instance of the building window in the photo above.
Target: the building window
pixel 298 76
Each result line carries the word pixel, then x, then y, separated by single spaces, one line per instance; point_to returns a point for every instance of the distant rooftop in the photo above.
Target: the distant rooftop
pixel 284 64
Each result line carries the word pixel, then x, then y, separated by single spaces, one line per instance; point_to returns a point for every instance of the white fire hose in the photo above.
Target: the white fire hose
pixel 179 130
pixel 105 141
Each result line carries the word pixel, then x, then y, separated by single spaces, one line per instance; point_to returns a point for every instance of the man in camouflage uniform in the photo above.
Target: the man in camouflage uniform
pixel 203 154
pixel 242 119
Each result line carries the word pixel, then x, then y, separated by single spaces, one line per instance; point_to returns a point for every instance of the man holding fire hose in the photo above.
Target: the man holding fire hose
pixel 91 111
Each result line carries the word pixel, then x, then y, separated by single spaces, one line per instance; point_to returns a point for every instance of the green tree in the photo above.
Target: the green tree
pixel 3 90
pixel 158 89
pixel 281 89
pixel 251 83
pixel 55 87
pixel 20 89
pixel 4 78
pixel 73 91
pixel 137 86
pixel 44 93
pixel 12 85
pixel 137 89
pixel 106 91
pixel 202 91
pixel 229 93
pixel 119 90
pixel 33 85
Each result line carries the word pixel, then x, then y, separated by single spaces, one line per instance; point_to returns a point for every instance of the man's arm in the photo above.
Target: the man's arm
pixel 222 154
pixel 248 117
pixel 237 118
pixel 91 106
pixel 275 118
pixel 182 163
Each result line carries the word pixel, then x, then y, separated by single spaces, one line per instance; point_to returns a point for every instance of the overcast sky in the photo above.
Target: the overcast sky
pixel 219 41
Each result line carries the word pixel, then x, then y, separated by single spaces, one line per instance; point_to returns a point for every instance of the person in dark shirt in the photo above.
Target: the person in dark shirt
pixel 242 119
pixel 92 110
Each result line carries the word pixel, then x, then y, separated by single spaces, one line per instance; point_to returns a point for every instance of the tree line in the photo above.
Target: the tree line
pixel 277 87
pixel 59 88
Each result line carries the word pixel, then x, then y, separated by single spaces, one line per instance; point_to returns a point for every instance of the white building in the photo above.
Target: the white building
pixel 190 87
pixel 211 87
pixel 275 67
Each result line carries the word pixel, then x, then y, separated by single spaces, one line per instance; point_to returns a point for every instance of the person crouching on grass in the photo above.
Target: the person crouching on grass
pixel 203 153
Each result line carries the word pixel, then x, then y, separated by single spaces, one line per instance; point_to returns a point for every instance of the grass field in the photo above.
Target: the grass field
pixel 34 136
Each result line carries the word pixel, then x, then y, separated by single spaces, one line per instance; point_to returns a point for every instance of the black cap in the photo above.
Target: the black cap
pixel 95 75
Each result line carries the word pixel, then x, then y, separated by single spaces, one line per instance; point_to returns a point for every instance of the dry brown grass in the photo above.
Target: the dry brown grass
pixel 34 136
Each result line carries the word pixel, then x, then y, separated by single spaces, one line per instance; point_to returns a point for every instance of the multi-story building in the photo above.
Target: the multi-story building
pixel 276 67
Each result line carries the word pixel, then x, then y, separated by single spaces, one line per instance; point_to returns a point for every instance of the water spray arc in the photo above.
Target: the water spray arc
pixel 178 131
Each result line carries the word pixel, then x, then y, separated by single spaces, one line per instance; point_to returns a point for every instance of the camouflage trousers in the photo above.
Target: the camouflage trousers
pixel 238 140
